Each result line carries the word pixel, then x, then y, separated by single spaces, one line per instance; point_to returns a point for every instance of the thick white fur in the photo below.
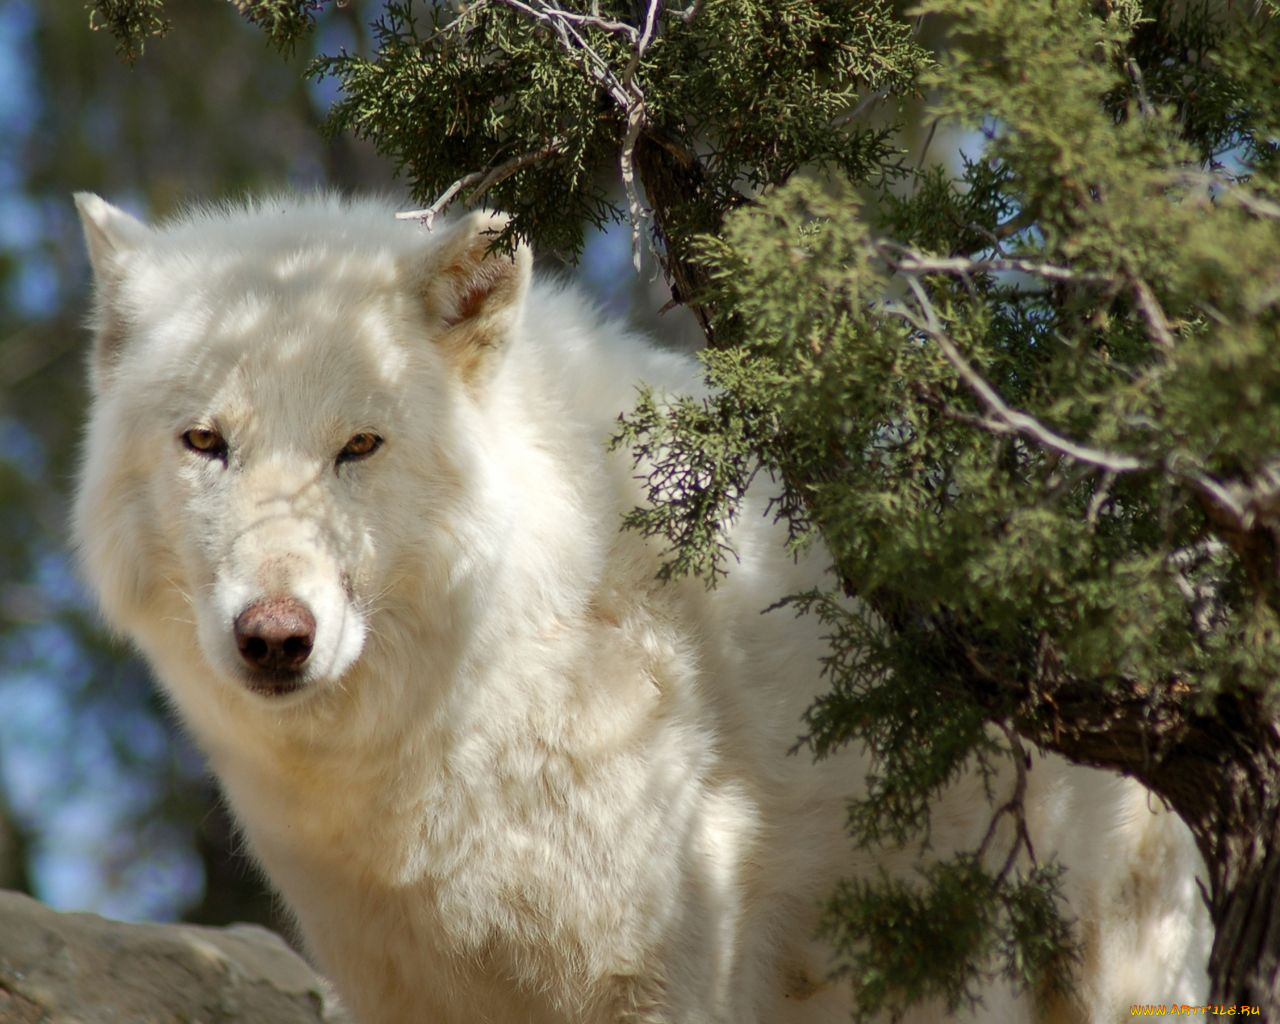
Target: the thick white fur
pixel 523 782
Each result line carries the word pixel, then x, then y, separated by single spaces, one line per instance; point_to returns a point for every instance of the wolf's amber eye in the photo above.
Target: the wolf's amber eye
pixel 360 446
pixel 208 443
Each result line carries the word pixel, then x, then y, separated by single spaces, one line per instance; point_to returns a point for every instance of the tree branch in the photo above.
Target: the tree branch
pixel 636 121
pixel 914 263
pixel 1157 323
pixel 1240 507
pixel 483 180
pixel 1006 419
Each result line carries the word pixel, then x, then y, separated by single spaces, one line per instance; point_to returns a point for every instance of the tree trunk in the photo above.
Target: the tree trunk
pixel 1220 771
pixel 1234 811
pixel 14 849
pixel 1244 966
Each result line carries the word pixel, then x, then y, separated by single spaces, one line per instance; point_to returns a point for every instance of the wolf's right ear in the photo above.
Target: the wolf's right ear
pixel 474 294
pixel 109 234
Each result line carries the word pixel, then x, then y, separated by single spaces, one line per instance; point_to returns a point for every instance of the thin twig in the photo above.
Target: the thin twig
pixel 912 262
pixel 1101 492
pixel 636 118
pixel 864 104
pixel 1232 190
pixel 1135 76
pixel 689 13
pixel 574 43
pixel 624 90
pixel 1014 807
pixel 1254 204
pixel 428 214
pixel 593 20
pixel 504 171
pixel 482 180
pixel 928 141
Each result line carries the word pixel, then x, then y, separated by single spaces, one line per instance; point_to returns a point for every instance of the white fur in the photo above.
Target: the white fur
pixel 522 781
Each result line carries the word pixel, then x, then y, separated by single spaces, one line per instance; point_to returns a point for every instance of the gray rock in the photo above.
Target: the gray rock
pixel 84 969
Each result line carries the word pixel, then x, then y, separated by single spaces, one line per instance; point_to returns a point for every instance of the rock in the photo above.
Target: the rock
pixel 84 969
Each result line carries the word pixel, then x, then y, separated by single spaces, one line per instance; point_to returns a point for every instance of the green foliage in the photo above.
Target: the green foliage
pixel 1213 92
pixel 132 22
pixel 936 939
pixel 283 21
pixel 529 115
pixel 696 491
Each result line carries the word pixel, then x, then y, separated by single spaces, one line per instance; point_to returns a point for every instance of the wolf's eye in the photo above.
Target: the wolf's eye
pixel 360 446
pixel 208 443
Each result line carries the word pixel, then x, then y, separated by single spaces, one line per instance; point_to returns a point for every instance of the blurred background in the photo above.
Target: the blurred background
pixel 103 803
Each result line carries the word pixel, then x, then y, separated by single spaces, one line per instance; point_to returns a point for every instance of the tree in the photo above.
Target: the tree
pixel 1049 376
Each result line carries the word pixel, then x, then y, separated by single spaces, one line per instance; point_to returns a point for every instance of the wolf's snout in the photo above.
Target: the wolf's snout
pixel 275 635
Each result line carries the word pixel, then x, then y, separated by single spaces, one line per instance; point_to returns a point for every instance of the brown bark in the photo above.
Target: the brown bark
pixel 14 850
pixel 1244 966
pixel 683 208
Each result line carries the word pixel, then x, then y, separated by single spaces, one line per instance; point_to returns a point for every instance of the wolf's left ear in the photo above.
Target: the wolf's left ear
pixel 109 235
pixel 475 294
pixel 109 232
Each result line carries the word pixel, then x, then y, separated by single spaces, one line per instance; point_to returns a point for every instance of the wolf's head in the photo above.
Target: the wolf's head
pixel 279 390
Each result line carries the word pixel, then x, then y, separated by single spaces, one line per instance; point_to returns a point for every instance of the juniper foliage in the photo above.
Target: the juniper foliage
pixel 131 22
pixel 1031 405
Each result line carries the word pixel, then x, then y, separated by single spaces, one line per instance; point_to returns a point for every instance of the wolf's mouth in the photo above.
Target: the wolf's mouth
pixel 273 684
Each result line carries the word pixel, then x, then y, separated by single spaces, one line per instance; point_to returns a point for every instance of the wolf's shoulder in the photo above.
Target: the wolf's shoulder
pixel 598 360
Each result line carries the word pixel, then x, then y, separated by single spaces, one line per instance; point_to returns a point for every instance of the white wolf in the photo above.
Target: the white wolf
pixel 345 486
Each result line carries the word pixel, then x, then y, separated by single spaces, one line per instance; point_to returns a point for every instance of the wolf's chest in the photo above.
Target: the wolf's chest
pixel 539 868
pixel 519 838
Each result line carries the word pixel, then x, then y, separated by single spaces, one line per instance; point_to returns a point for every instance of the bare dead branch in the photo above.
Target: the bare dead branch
pixel 1231 190
pixel 636 119
pixel 1014 807
pixel 483 181
pixel 1101 492
pixel 911 262
pixel 1201 595
pixel 855 112
pixel 1157 323
pixel 689 13
pixel 593 20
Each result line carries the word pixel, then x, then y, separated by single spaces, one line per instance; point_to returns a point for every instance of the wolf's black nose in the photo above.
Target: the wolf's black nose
pixel 276 635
